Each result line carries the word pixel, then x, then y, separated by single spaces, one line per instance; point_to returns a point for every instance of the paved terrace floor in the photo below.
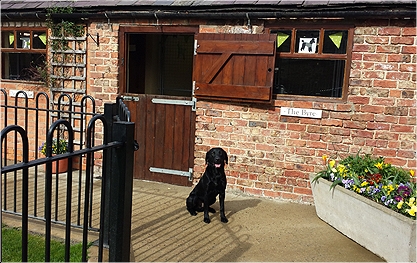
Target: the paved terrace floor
pixel 259 230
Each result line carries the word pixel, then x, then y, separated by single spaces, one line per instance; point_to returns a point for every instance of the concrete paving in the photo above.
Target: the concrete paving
pixel 259 230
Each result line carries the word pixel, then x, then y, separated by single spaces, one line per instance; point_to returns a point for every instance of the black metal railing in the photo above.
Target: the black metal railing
pixel 115 183
pixel 35 116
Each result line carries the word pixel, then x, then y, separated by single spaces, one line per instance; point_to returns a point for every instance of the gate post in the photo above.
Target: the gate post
pixel 121 190
pixel 110 110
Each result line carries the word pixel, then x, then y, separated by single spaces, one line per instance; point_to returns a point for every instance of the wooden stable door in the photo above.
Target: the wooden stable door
pixel 165 128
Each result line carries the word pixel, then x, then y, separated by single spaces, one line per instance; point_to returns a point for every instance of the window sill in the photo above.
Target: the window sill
pixel 279 97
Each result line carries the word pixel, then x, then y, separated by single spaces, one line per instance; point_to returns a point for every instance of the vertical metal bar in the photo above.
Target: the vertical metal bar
pixel 5 148
pixel 121 193
pixel 69 192
pixel 89 139
pixel 60 131
pixel 35 190
pixel 110 110
pixel 15 143
pixel 25 184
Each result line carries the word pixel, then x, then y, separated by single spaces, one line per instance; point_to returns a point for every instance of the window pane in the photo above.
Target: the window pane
pixel 307 41
pixel 39 40
pixel 7 39
pixel 23 66
pixel 23 40
pixel 283 40
pixel 311 77
pixel 335 41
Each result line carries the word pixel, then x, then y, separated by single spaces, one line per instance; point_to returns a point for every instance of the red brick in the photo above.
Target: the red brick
pixel 375 57
pixel 395 161
pixel 340 131
pixel 389 31
pixel 383 101
pixel 399 58
pixel 358 99
pixel 253 191
pixel 409 67
pixel 354 124
pixel 406 154
pixel 402 40
pixel 302 190
pixel 377 126
pixel 409 50
pixel 362 134
pixel 331 122
pixel 402 128
pixel 385 83
pixel 408 31
pixel 386 135
pixel 363 117
pixel 388 49
pixel 384 152
pixel 293 173
pixel 317 145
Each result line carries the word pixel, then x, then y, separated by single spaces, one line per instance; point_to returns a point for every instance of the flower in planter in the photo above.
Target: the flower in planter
pixel 375 179
pixel 58 147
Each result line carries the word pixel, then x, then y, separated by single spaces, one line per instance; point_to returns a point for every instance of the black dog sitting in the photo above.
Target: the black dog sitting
pixel 212 183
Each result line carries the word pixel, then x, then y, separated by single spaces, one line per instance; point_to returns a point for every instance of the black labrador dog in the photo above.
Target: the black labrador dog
pixel 212 183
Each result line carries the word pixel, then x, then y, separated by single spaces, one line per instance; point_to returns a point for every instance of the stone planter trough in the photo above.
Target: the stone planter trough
pixel 386 233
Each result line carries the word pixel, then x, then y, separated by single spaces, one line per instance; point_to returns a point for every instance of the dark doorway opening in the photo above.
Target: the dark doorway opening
pixel 160 64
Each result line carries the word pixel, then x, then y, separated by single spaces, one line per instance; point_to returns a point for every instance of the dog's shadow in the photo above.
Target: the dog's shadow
pixel 235 206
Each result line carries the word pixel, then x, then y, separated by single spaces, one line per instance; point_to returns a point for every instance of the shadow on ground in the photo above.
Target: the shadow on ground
pixel 258 230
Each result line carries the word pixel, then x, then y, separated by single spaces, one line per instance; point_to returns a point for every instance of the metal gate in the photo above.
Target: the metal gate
pixel 165 128
pixel 54 206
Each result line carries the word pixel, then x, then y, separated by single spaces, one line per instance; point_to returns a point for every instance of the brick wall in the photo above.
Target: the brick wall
pixel 272 155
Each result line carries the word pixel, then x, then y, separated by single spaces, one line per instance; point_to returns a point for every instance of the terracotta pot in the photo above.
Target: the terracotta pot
pixel 62 166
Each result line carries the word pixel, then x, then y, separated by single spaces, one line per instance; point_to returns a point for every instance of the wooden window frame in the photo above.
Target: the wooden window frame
pixel 322 27
pixel 31 50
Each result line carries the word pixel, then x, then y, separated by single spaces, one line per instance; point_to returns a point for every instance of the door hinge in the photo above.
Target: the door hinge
pixel 191 102
pixel 195 47
pixel 188 174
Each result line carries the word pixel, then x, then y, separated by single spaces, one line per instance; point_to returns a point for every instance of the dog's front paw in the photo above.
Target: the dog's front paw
pixel 207 220
pixel 192 212
pixel 224 219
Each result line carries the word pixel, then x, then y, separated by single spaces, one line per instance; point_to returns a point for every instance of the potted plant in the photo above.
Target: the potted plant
pixel 58 147
pixel 371 202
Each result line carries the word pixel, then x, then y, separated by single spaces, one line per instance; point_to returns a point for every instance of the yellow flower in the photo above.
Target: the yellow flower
pixel 390 188
pixel 324 157
pixel 331 163
pixel 400 204
pixel 365 183
pixel 341 168
pixel 412 211
pixel 412 172
pixel 379 165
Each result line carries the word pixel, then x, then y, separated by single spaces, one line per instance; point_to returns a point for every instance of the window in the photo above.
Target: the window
pixel 23 52
pixel 312 62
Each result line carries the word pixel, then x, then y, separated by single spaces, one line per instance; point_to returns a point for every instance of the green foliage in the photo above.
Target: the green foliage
pixel 62 29
pixel 12 248
pixel 58 147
